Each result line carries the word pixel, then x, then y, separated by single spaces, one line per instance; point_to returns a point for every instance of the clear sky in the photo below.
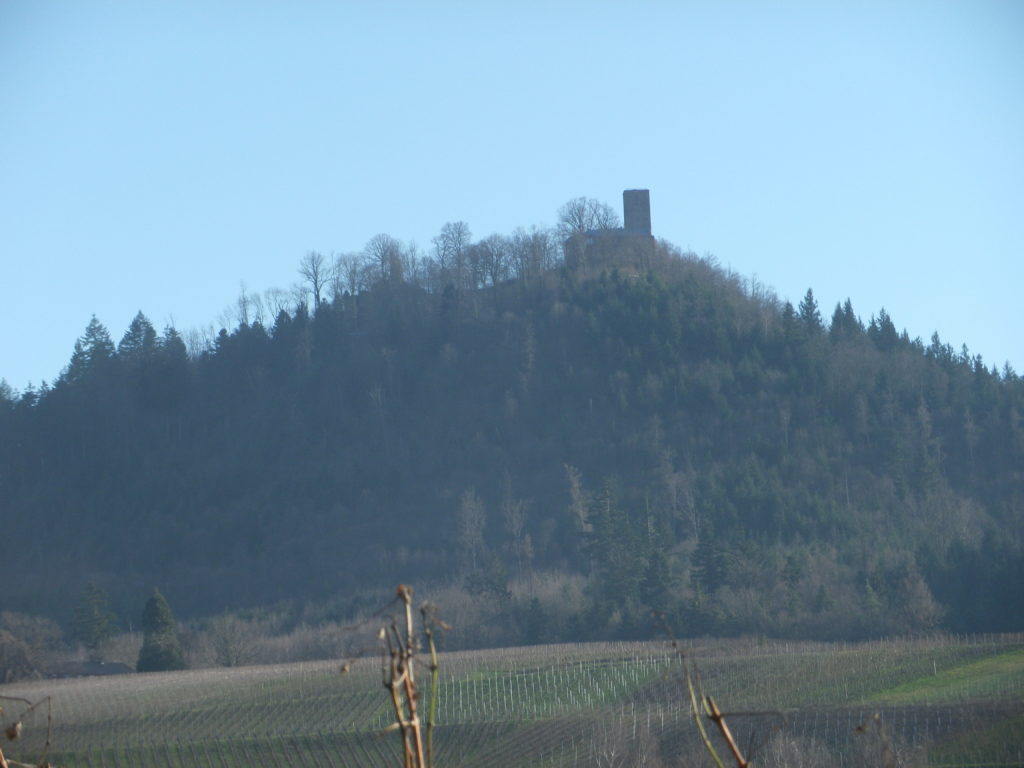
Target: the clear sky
pixel 157 156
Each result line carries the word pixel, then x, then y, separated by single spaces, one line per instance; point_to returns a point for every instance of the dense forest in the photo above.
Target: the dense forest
pixel 586 453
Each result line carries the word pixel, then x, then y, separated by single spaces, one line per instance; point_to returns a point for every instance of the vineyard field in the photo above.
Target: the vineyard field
pixel 938 701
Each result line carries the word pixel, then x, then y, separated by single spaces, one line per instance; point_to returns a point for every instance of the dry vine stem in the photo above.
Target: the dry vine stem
pixel 696 710
pixel 709 709
pixel 399 677
pixel 13 732
pixel 426 611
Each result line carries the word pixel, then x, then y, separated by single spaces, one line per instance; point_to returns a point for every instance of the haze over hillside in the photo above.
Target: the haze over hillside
pixel 519 421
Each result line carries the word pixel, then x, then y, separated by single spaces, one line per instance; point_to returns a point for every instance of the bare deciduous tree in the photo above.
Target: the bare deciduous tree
pixel 470 526
pixel 450 252
pixel 258 309
pixel 349 274
pixel 530 253
pixel 579 216
pixel 414 266
pixel 276 301
pixel 384 253
pixel 198 340
pixel 317 270
pixel 579 503
pixel 244 305
pixel 514 511
pixel 228 317
pixel 233 642
pixel 584 214
pixel 495 258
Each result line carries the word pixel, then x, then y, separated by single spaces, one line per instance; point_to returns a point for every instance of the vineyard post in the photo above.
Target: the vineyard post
pixel 716 716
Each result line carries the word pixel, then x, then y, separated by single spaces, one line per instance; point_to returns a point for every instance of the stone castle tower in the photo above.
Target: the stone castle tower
pixel 636 211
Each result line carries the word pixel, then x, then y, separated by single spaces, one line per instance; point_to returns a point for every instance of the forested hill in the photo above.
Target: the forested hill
pixel 684 442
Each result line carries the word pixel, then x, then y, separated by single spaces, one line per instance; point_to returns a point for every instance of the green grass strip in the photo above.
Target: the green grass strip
pixel 996 677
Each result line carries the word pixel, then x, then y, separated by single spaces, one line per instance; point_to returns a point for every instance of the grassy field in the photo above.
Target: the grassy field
pixel 992 677
pixel 938 701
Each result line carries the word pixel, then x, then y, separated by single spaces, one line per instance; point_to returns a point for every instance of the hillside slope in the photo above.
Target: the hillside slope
pixel 689 444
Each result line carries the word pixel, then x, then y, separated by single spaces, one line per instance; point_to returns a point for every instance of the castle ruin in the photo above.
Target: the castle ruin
pixel 628 248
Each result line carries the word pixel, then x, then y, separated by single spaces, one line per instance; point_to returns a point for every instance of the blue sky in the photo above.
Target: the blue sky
pixel 157 156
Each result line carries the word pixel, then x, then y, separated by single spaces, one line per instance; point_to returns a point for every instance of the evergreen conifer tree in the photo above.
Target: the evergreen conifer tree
pixel 139 340
pixel 809 312
pixel 94 622
pixel 161 649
